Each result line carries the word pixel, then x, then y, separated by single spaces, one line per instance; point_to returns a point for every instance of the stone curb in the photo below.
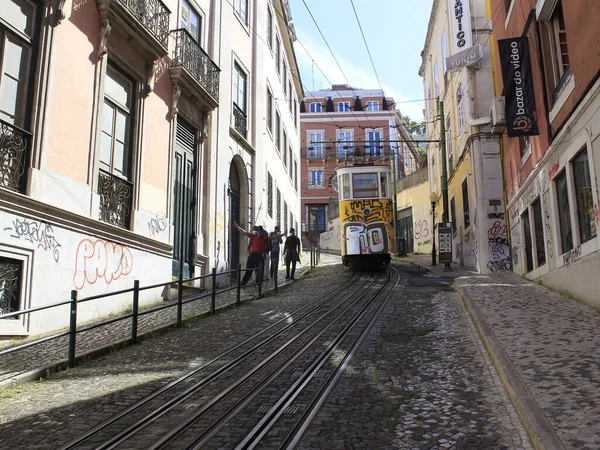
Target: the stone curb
pixel 541 433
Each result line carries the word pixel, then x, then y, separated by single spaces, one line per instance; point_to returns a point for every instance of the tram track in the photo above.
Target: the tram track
pixel 201 406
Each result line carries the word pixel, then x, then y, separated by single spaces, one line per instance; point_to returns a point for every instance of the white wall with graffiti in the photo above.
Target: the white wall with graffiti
pixel 55 260
pixel 331 240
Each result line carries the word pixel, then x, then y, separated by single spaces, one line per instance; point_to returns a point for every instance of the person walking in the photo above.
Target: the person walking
pixel 291 249
pixel 275 251
pixel 257 249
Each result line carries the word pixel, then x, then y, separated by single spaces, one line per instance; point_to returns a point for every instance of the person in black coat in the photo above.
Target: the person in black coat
pixel 291 250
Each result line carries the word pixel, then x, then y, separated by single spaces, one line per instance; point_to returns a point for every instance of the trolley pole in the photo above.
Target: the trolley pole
pixel 445 215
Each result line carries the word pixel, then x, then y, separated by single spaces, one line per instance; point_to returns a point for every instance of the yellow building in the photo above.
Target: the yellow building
pixel 458 81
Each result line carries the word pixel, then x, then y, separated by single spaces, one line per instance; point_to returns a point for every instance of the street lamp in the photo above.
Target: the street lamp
pixel 433 200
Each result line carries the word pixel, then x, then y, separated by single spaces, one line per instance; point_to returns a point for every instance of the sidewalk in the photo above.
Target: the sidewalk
pixel 32 363
pixel 545 347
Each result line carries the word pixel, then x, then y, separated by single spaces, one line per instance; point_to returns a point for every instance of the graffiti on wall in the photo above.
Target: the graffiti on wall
pixel 498 246
pixel 571 255
pixel 157 225
pixel 421 229
pixel 40 233
pixel 367 211
pixel 100 260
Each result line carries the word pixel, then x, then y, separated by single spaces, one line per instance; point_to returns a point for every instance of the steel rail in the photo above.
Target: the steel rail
pixel 308 308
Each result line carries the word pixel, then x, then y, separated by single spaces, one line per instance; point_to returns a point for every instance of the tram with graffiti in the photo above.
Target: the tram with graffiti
pixel 366 215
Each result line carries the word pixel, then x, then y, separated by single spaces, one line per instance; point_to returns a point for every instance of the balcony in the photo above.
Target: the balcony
pixel 14 156
pixel 115 199
pixel 144 22
pixel 193 69
pixel 240 121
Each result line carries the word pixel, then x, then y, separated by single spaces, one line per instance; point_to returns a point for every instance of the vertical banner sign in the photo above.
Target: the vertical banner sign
pixel 445 242
pixel 518 87
pixel 460 15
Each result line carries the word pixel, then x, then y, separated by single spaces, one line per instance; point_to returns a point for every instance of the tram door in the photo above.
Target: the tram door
pixel 183 204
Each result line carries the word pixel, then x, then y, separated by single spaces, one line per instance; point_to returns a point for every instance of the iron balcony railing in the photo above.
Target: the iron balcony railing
pixel 115 199
pixel 196 61
pixel 153 15
pixel 14 156
pixel 240 120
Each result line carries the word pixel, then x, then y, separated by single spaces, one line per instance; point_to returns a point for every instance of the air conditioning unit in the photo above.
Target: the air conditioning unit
pixel 497 115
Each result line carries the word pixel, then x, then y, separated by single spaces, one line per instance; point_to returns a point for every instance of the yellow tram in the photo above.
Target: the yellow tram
pixel 366 215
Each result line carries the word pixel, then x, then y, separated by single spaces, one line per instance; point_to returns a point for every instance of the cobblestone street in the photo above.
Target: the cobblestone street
pixel 421 380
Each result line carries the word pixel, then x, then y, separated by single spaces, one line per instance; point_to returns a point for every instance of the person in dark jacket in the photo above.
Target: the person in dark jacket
pixel 291 249
pixel 275 252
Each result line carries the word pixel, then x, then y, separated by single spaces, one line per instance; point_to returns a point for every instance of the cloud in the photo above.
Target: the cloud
pixel 319 70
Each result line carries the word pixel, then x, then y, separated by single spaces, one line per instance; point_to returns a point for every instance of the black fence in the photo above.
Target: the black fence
pixel 180 285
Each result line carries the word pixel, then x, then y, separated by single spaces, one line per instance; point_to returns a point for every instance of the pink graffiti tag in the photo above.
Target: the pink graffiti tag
pixel 553 171
pixel 100 260
pixel 597 213
pixel 498 230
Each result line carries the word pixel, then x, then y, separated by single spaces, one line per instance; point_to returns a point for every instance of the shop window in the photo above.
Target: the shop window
pixel 585 201
pixel 564 215
pixel 538 224
pixel 466 212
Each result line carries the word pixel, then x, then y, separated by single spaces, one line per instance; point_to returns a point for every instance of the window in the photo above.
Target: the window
pixel 372 106
pixel 343 106
pixel 10 286
pixel 295 113
pixel 114 186
pixel 523 145
pixel 241 9
pixel 278 207
pixel 365 185
pixel 444 51
pixel 117 111
pixel 191 21
pixel 240 83
pixel 296 175
pixel 269 194
pixel 315 107
pixel 538 225
pixel 284 76
pixel 436 80
pixel 449 148
pixel 315 178
pixel 558 43
pixel 315 145
pixel 284 146
pixel 278 55
pixel 269 110
pixel 290 97
pixel 291 158
pixel 345 147
pixel 374 146
pixel 465 195
pixel 15 60
pixel 564 215
pixel 585 201
pixel 528 244
pixel 285 215
pixel 277 130
pixel 270 28
pixel 459 110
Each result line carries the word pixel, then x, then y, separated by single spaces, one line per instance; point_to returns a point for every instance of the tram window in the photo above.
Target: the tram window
pixel 365 185
pixel 384 185
pixel 345 184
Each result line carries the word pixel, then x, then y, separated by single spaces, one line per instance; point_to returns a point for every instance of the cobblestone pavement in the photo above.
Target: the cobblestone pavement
pixel 420 381
pixel 546 348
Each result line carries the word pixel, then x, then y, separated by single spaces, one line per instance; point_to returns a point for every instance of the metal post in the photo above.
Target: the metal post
pixel 135 309
pixel 239 283
pixel 179 298
pixel 213 291
pixel 72 328
pixel 260 279
pixel 445 213
pixel 433 262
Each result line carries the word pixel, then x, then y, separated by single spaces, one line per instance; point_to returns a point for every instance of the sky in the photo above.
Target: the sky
pixel 395 33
